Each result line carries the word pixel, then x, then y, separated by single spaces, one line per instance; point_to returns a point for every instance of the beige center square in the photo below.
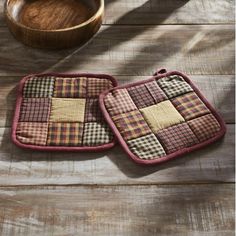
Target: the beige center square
pixel 67 110
pixel 161 115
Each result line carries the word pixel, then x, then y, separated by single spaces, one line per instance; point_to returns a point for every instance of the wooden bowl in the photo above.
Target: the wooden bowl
pixel 54 24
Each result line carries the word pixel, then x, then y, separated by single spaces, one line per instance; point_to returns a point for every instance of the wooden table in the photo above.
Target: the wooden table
pixel 106 193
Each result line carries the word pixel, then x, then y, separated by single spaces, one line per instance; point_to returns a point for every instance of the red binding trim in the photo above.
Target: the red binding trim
pixel 57 148
pixel 177 153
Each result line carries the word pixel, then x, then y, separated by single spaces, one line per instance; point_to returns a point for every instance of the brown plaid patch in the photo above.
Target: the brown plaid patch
pixel 32 133
pixel 65 134
pixel 204 127
pixel 35 110
pixel 156 92
pixel 190 106
pixel 70 88
pixel 92 110
pixel 177 137
pixel 131 125
pixel 141 96
pixel 97 86
pixel 119 101
pixel 146 94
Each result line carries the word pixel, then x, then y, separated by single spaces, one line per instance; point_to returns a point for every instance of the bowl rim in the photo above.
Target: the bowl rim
pixel 99 12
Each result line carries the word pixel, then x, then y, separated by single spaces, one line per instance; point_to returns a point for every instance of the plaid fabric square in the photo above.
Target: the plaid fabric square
pixel 32 133
pixel 97 86
pixel 70 87
pixel 65 134
pixel 156 92
pixel 174 85
pixel 161 115
pixel 118 102
pixel 190 106
pixel 131 125
pixel 67 110
pixel 141 96
pixel 35 109
pixel 177 137
pixel 39 87
pixel 92 110
pixel 204 127
pixel 146 147
pixel 96 134
pixel 146 94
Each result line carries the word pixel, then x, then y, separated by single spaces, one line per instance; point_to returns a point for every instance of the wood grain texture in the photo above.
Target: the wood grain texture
pixel 168 12
pixel 21 167
pixel 125 50
pixel 199 210
pixel 29 22
pixel 218 89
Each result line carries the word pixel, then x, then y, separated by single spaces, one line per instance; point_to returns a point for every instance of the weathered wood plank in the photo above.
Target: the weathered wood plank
pixel 164 12
pixel 218 89
pixel 169 12
pixel 20 167
pixel 126 50
pixel 204 210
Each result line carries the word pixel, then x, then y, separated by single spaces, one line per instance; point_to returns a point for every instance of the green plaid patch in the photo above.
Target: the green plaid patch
pixel 146 147
pixel 96 134
pixel 38 87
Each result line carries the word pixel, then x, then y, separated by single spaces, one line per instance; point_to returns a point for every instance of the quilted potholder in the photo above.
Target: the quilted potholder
pixel 161 118
pixel 61 112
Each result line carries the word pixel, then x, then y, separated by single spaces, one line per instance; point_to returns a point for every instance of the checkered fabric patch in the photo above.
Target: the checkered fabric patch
pixel 32 133
pixel 65 134
pixel 146 147
pixel 96 134
pixel 35 110
pixel 97 86
pixel 141 96
pixel 177 137
pixel 70 87
pixel 131 125
pixel 92 110
pixel 118 102
pixel 205 127
pixel 174 85
pixel 190 106
pixel 39 87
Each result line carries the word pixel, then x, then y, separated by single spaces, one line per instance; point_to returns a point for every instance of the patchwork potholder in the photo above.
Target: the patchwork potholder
pixel 61 112
pixel 161 118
